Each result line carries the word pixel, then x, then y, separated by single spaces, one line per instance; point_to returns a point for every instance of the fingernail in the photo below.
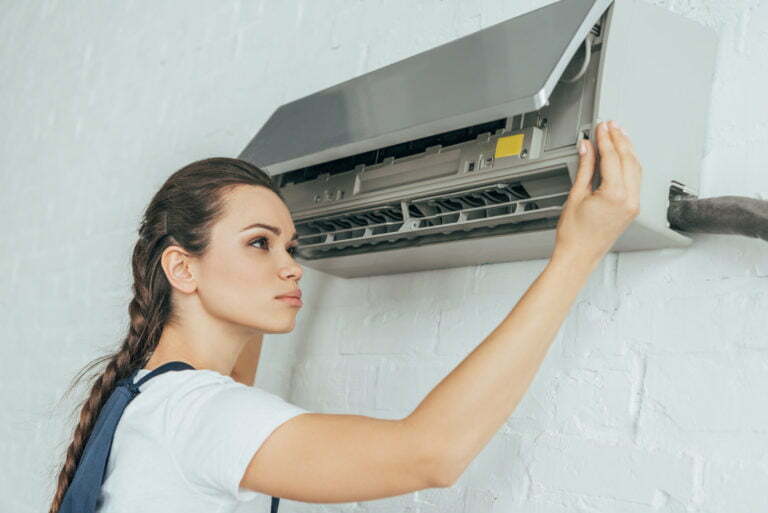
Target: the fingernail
pixel 603 127
pixel 582 147
pixel 623 131
pixel 614 124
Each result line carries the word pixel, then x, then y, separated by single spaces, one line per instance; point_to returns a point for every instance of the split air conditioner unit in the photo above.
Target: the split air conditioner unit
pixel 464 154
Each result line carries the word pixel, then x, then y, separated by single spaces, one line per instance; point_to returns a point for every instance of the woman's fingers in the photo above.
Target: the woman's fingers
pixel 631 168
pixel 619 167
pixel 624 149
pixel 582 184
pixel 611 175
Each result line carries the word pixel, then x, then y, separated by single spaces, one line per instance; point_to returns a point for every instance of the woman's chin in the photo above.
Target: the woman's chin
pixel 281 327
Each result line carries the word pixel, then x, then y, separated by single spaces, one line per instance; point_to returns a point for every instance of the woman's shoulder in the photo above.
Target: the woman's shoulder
pixel 203 393
pixel 191 388
pixel 212 426
pixel 184 376
pixel 202 399
pixel 184 381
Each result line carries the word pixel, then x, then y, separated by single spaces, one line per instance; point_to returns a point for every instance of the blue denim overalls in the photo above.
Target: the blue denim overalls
pixel 84 491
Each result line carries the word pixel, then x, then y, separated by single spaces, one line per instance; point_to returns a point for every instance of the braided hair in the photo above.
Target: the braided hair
pixel 181 213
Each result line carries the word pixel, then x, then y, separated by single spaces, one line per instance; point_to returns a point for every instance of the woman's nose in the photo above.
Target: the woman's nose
pixel 292 271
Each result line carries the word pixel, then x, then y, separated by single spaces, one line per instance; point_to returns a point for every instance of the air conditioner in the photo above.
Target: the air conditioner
pixel 464 154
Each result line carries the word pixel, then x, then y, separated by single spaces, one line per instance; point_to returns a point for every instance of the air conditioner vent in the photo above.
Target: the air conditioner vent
pixel 504 206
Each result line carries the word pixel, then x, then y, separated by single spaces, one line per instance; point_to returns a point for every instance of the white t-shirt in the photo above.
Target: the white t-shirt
pixel 184 442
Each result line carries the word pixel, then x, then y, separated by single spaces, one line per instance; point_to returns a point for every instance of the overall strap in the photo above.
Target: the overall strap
pixel 84 491
pixel 169 366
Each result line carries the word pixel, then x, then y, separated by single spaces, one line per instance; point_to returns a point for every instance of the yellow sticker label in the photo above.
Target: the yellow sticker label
pixel 509 146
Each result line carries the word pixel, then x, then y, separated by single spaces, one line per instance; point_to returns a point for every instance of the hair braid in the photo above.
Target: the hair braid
pixel 181 213
pixel 131 355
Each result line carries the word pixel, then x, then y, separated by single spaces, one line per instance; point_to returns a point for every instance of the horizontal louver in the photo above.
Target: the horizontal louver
pixel 408 221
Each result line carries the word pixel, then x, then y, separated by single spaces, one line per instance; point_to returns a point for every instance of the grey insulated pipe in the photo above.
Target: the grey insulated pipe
pixel 724 214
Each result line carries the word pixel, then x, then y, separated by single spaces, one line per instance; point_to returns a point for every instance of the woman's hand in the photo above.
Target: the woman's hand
pixel 591 221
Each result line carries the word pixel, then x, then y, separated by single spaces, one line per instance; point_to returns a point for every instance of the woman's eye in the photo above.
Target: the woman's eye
pixel 292 250
pixel 258 240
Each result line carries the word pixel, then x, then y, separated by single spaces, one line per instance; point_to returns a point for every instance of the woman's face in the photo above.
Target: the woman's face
pixel 247 267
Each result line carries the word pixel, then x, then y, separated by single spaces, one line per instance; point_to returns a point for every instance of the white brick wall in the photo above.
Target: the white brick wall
pixel 652 397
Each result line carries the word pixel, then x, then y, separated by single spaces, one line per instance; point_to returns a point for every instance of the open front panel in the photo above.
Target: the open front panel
pixel 502 70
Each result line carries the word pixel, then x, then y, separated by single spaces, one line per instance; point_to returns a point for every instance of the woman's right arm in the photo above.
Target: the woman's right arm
pixel 343 458
pixel 471 403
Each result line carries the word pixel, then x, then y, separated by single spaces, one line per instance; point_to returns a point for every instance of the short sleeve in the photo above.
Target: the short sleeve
pixel 214 429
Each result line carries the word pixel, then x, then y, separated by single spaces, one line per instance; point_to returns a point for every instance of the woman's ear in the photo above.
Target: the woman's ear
pixel 177 265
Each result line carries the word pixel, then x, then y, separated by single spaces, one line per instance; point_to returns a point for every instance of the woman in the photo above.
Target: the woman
pixel 214 256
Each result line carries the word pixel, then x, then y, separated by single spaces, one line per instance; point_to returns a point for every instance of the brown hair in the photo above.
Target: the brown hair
pixel 181 213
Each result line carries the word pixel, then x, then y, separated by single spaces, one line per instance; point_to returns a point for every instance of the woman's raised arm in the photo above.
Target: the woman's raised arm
pixel 469 405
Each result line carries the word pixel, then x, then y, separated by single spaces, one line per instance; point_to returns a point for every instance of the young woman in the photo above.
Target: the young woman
pixel 212 266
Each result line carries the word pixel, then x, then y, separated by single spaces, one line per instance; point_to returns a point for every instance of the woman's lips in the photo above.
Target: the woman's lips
pixel 293 301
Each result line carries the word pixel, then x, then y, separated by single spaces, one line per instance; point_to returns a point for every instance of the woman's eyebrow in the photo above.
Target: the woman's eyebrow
pixel 268 227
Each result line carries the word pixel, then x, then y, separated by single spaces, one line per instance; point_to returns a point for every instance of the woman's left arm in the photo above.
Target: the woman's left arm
pixel 244 370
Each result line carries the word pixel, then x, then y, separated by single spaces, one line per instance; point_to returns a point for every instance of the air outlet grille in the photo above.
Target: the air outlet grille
pixel 436 217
